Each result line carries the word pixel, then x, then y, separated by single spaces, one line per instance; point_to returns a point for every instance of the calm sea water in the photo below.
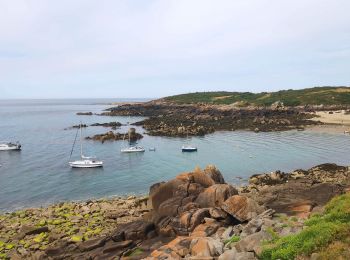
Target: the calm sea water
pixel 39 174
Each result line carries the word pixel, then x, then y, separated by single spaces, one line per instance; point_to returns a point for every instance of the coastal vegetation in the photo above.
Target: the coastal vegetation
pixel 301 97
pixel 326 233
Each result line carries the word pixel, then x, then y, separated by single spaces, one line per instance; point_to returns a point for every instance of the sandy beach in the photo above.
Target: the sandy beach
pixel 334 122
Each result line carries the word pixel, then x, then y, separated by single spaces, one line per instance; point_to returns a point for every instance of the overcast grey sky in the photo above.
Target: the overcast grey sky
pixel 153 48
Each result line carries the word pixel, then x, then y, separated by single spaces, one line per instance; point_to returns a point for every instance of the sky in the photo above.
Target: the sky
pixel 155 48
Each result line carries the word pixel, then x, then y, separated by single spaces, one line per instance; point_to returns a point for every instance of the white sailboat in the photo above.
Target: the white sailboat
pixel 85 161
pixel 132 148
pixel 9 146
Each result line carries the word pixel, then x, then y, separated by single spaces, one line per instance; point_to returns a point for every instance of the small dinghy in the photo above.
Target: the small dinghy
pixel 85 161
pixel 9 146
pixel 189 148
pixel 152 149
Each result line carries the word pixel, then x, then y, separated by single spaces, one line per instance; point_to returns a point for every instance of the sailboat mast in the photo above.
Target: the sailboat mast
pixel 81 141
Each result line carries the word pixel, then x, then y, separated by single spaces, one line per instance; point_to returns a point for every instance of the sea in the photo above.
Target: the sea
pixel 40 175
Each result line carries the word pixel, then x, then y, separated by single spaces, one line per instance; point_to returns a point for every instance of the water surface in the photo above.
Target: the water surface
pixel 39 174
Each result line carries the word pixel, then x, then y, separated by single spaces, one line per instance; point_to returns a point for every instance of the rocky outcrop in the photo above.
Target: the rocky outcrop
pixel 113 125
pixel 113 136
pixel 76 126
pixel 71 228
pixel 166 119
pixel 300 191
pixel 84 114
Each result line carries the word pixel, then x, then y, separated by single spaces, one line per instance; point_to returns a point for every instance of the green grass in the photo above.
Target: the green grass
pixel 321 230
pixel 309 96
pixel 232 239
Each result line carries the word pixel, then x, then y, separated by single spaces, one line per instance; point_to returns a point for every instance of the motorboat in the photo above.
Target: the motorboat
pixel 9 146
pixel 85 161
pixel 189 148
pixel 133 149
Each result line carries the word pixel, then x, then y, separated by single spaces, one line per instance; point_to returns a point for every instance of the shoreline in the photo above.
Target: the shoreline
pixel 122 226
pixel 130 224
pixel 336 122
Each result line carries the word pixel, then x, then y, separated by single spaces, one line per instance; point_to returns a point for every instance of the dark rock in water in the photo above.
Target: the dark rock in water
pixel 112 136
pixel 110 124
pixel 84 113
pixel 76 126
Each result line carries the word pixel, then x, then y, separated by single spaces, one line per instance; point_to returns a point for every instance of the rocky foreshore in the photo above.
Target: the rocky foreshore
pixel 196 215
pixel 27 234
pixel 166 119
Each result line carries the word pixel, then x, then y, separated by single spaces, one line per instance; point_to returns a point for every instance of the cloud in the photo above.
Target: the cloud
pixel 142 48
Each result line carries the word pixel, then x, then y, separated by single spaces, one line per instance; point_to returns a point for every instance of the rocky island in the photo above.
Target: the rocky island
pixel 131 136
pixel 202 113
pixel 196 215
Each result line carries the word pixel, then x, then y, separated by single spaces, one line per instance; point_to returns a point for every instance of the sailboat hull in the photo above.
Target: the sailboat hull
pixel 86 164
pixel 133 150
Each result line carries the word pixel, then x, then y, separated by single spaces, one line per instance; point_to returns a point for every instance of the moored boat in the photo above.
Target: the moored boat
pixel 85 161
pixel 133 149
pixel 9 146
pixel 189 148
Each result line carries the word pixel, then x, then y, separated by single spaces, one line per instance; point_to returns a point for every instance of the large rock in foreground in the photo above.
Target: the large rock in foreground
pixel 242 208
